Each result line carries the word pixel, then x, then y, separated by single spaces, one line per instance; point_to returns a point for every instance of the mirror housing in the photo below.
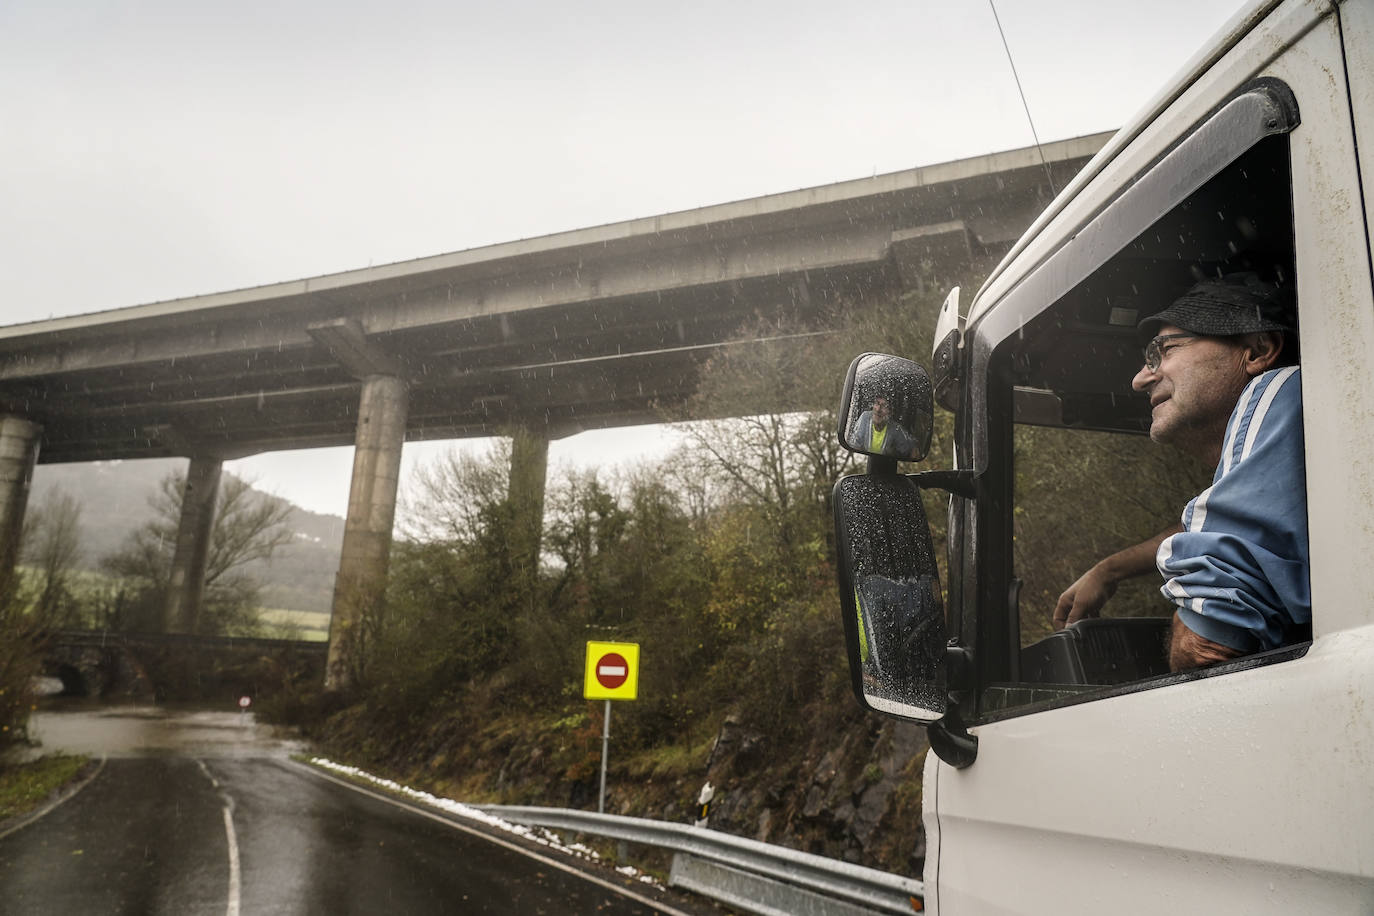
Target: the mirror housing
pixel 894 619
pixel 887 409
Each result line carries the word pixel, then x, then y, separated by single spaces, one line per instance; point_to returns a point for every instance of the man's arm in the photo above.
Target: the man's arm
pixel 863 429
pixel 905 445
pixel 1090 592
pixel 1238 573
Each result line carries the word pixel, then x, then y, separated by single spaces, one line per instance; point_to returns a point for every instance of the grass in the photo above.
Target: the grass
pixel 279 622
pixel 25 786
pixel 672 761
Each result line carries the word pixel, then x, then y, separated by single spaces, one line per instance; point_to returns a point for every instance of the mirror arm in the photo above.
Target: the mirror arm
pixel 959 669
pixel 950 740
pixel 960 483
pixel 882 464
pixel 949 736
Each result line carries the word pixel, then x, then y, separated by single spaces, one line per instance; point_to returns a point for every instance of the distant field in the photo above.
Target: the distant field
pixel 276 623
pixel 280 623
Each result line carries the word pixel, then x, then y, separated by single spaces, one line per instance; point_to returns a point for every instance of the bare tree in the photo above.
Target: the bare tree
pixel 248 526
pixel 453 497
pixel 52 545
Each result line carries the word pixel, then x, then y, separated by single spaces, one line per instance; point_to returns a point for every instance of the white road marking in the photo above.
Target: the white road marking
pixel 232 906
pixel 235 879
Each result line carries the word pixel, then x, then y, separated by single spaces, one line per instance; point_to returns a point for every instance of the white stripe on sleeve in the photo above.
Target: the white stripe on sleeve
pixel 1263 409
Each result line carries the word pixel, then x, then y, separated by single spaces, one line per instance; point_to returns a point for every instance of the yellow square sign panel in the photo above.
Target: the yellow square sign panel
pixel 612 671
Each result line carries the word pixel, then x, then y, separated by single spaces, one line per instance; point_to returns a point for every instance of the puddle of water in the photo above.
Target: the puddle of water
pixel 136 731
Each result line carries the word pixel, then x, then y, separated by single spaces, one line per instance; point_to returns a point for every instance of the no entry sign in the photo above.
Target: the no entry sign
pixel 612 671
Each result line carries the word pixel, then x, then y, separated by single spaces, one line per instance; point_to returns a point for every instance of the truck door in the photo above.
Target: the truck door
pixel 1109 785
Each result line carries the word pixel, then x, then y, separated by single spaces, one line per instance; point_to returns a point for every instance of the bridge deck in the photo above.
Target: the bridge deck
pixel 598 327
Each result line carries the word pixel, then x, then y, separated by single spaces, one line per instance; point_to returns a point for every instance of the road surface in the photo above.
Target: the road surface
pixel 203 813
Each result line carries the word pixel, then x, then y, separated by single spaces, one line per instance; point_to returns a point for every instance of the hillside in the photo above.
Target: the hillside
pixel 114 498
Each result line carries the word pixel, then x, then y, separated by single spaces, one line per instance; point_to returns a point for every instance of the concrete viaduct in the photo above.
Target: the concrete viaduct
pixel 535 339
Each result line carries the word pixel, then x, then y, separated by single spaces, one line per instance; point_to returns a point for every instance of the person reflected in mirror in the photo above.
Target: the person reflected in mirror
pixel 1222 375
pixel 876 434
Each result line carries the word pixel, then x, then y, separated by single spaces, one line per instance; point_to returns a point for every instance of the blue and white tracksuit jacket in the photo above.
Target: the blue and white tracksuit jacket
pixel 1238 570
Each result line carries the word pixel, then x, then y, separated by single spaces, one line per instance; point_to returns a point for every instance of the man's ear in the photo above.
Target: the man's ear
pixel 1262 352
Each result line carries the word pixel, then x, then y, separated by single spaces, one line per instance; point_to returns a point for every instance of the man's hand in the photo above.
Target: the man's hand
pixel 1085 597
pixel 1189 650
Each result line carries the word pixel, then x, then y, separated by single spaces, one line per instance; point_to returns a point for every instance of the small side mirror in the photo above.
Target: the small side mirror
pixel 887 408
pixel 894 620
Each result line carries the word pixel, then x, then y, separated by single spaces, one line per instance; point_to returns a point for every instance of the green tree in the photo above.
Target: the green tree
pixel 451 608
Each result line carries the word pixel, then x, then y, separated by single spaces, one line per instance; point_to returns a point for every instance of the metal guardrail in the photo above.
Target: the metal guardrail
pixel 741 872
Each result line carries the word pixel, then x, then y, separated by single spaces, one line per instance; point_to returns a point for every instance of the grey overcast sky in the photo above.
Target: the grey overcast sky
pixel 155 149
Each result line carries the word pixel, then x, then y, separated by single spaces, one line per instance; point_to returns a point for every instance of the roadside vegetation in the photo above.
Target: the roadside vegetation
pixel 25 786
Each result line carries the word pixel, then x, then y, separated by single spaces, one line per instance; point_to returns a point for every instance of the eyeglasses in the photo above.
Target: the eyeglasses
pixel 1154 350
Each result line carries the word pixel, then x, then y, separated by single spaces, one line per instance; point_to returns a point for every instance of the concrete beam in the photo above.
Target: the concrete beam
pixel 445 302
pixel 744 219
pixel 360 586
pixel 186 588
pixel 346 342
pixel 19 440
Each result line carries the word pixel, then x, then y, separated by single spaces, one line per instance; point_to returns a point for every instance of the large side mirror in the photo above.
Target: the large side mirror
pixel 894 620
pixel 887 408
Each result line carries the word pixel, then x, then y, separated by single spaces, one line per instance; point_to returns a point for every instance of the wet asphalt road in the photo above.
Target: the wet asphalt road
pixel 238 828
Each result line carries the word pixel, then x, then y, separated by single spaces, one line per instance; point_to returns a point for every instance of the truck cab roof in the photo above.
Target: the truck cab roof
pixel 1131 151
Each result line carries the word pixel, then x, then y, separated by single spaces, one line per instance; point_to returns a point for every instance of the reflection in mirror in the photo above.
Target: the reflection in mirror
pixel 890 591
pixel 887 408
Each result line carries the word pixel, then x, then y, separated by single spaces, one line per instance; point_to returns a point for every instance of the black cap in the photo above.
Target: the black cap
pixel 1239 303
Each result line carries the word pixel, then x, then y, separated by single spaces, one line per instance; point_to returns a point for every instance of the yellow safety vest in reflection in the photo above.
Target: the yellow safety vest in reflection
pixel 876 442
pixel 863 636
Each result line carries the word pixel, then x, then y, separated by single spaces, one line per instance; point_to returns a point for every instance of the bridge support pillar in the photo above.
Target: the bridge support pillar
pixel 361 583
pixel 529 463
pixel 186 587
pixel 18 455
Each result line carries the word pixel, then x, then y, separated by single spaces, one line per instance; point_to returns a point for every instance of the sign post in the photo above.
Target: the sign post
pixel 612 673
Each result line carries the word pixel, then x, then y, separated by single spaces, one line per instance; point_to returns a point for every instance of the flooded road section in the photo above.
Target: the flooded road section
pixel 138 731
pixel 199 811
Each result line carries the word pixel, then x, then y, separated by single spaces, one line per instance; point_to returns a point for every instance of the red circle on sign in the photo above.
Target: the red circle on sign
pixel 612 670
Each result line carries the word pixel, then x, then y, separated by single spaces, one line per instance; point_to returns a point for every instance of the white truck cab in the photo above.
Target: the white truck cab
pixel 1072 772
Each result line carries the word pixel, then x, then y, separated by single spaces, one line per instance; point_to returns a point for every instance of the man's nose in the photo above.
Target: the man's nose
pixel 1144 379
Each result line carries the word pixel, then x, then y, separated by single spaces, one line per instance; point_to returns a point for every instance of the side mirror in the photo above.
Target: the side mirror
pixel 894 620
pixel 887 408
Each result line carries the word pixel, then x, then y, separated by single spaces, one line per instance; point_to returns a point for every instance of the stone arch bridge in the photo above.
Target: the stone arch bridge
pixel 146 666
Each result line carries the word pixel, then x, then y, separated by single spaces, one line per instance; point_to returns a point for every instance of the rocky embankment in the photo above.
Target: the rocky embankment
pixel 857 798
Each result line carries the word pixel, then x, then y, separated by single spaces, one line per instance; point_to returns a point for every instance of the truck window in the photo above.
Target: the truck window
pixel 1084 479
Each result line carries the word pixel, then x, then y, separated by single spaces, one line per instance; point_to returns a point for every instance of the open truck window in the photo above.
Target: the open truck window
pixel 1068 441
